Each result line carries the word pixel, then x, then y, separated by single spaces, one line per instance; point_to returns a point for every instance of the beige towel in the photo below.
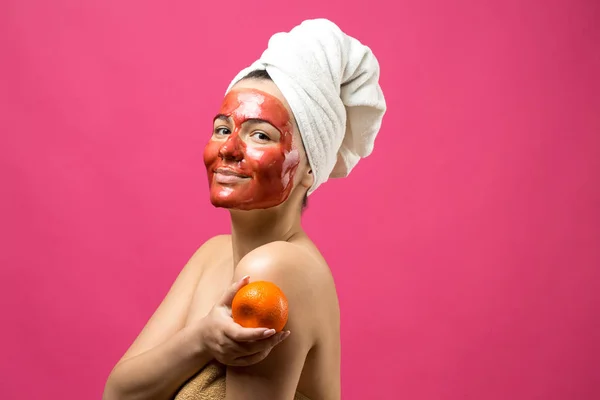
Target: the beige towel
pixel 209 384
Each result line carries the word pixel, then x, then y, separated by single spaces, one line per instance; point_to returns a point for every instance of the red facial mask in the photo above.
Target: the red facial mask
pixel 246 171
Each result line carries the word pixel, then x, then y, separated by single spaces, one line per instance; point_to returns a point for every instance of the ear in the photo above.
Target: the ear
pixel 308 178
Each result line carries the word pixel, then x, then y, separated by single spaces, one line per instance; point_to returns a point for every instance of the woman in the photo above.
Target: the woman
pixel 288 122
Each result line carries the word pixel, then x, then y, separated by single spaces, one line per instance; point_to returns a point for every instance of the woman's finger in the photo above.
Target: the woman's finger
pixel 233 289
pixel 263 345
pixel 251 359
pixel 238 333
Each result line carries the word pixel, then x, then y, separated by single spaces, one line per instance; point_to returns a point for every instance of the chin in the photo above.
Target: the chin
pixel 230 204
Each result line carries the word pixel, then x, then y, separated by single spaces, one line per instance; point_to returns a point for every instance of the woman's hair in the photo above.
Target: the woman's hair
pixel 259 74
pixel 263 74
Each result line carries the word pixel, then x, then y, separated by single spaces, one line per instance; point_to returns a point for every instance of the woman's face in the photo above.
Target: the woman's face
pixel 254 152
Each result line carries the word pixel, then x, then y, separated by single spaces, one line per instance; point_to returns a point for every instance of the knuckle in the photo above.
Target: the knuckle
pixel 221 342
pixel 222 351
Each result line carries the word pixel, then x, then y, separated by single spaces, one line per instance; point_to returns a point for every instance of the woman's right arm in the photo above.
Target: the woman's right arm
pixel 159 372
pixel 164 354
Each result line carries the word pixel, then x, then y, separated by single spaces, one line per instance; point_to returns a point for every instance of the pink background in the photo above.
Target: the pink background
pixel 465 250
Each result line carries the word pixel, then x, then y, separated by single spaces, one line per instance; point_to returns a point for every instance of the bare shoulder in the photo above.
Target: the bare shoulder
pixel 215 242
pixel 208 251
pixel 285 261
pixel 299 271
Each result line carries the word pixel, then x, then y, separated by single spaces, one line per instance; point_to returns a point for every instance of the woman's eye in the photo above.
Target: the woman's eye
pixel 222 131
pixel 262 136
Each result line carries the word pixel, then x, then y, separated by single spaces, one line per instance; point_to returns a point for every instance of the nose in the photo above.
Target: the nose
pixel 232 148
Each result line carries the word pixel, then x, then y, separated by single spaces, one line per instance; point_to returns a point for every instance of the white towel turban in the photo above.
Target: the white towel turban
pixel 331 83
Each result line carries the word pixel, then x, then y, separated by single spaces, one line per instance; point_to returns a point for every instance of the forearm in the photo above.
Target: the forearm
pixel 158 373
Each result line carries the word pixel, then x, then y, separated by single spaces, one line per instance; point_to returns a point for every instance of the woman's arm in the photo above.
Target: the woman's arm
pixel 164 354
pixel 167 353
pixel 159 372
pixel 277 376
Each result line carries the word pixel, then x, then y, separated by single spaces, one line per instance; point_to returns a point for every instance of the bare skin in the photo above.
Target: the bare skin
pixel 192 326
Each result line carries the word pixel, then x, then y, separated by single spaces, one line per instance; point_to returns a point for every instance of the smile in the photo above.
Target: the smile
pixel 226 175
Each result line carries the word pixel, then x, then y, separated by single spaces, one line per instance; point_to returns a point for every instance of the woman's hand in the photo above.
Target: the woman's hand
pixel 230 343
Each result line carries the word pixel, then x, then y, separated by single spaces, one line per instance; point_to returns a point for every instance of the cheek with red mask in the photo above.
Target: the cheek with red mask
pixel 246 175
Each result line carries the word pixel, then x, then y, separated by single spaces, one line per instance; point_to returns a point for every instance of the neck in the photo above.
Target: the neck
pixel 252 229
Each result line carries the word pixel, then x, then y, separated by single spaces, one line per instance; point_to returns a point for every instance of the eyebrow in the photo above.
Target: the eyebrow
pixel 223 117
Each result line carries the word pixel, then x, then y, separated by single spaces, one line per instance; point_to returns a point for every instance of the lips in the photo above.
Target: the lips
pixel 230 172
pixel 229 176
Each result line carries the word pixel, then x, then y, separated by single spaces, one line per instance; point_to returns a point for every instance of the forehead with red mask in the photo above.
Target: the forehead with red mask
pixel 251 157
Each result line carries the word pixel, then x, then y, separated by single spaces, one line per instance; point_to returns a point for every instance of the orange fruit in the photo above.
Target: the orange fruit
pixel 260 304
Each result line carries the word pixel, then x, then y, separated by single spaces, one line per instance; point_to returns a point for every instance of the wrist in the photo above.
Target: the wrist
pixel 195 339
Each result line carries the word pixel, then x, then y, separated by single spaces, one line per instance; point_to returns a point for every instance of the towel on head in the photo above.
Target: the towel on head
pixel 331 82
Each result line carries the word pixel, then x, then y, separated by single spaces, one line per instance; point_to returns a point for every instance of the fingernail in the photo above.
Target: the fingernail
pixel 246 277
pixel 286 334
pixel 269 332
